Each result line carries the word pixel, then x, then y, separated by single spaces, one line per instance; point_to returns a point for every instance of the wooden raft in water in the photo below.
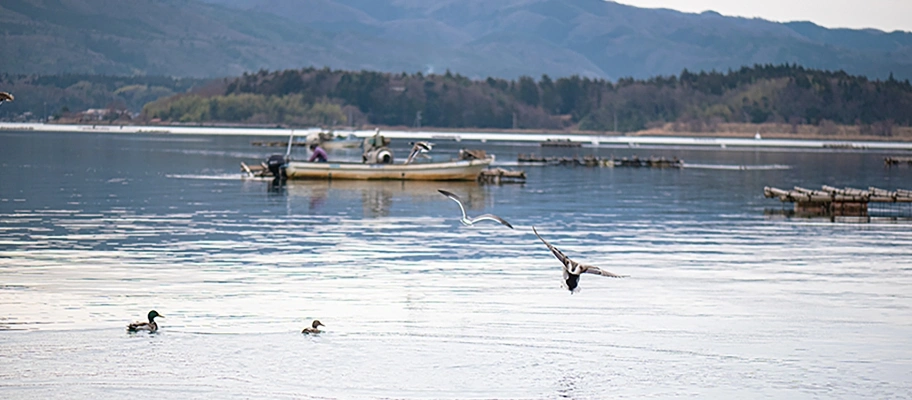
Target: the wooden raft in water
pixel 500 175
pixel 296 143
pixel 831 201
pixel 560 143
pixel 888 161
pixel 591 161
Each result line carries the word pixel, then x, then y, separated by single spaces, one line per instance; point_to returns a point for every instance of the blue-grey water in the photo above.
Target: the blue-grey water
pixel 726 297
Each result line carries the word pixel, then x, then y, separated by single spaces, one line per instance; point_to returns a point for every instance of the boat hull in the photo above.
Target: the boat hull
pixel 463 170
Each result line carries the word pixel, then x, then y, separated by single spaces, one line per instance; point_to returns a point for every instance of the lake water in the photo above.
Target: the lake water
pixel 726 297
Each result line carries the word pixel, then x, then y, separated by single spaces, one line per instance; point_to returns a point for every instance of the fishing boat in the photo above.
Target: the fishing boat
pixel 377 163
pixel 456 170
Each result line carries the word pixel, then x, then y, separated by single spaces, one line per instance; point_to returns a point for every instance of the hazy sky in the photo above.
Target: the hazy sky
pixel 886 15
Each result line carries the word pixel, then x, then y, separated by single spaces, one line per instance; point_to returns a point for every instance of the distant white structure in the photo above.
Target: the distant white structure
pixel 757 135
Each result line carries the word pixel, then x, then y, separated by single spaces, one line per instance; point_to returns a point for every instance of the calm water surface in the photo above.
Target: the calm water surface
pixel 725 299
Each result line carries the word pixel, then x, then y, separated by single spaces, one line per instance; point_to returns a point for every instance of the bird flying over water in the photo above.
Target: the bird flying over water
pixel 4 96
pixel 150 326
pixel 465 219
pixel 418 148
pixel 426 146
pixel 573 269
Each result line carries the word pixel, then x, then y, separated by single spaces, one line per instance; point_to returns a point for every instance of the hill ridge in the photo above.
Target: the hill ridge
pixel 507 38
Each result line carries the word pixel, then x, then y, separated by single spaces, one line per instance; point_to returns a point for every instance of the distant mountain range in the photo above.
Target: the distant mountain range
pixel 476 38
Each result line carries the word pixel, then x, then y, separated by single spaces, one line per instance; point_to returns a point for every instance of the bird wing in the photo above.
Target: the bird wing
pixel 554 250
pixel 491 217
pixel 4 96
pixel 573 267
pixel 595 270
pixel 455 198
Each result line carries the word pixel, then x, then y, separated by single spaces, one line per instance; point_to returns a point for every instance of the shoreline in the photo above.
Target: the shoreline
pixel 643 138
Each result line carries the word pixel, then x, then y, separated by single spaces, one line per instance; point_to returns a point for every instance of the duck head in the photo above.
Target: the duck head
pixel 317 323
pixel 153 314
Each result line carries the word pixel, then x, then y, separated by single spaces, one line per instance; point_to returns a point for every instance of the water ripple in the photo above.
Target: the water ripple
pixel 721 302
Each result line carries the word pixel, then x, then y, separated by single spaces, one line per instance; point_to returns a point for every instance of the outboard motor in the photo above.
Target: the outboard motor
pixel 380 155
pixel 276 165
pixel 375 150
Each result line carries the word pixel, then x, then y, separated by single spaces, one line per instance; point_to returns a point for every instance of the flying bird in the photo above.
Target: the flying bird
pixel 418 148
pixel 426 146
pixel 4 96
pixel 150 326
pixel 573 269
pixel 465 219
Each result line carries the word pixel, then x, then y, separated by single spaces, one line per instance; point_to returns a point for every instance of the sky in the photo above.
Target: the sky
pixel 886 15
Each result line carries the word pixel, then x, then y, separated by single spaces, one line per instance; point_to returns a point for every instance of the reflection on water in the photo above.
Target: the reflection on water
pixel 723 301
pixel 377 197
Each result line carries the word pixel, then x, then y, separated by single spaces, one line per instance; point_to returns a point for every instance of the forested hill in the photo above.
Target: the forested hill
pixel 46 96
pixel 476 38
pixel 763 93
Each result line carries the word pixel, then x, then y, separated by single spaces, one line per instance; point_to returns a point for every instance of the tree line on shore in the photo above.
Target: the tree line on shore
pixel 691 101
pixel 694 101
pixel 49 96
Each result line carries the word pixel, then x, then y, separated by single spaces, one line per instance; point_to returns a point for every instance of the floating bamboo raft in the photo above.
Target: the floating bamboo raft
pixel 591 161
pixel 560 143
pixel 296 143
pixel 500 175
pixel 831 201
pixel 888 161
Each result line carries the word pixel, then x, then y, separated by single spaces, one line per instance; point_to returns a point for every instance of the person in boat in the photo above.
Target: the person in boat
pixel 319 155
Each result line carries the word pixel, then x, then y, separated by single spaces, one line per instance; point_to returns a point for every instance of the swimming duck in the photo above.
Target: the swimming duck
pixel 313 327
pixel 573 269
pixel 150 326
